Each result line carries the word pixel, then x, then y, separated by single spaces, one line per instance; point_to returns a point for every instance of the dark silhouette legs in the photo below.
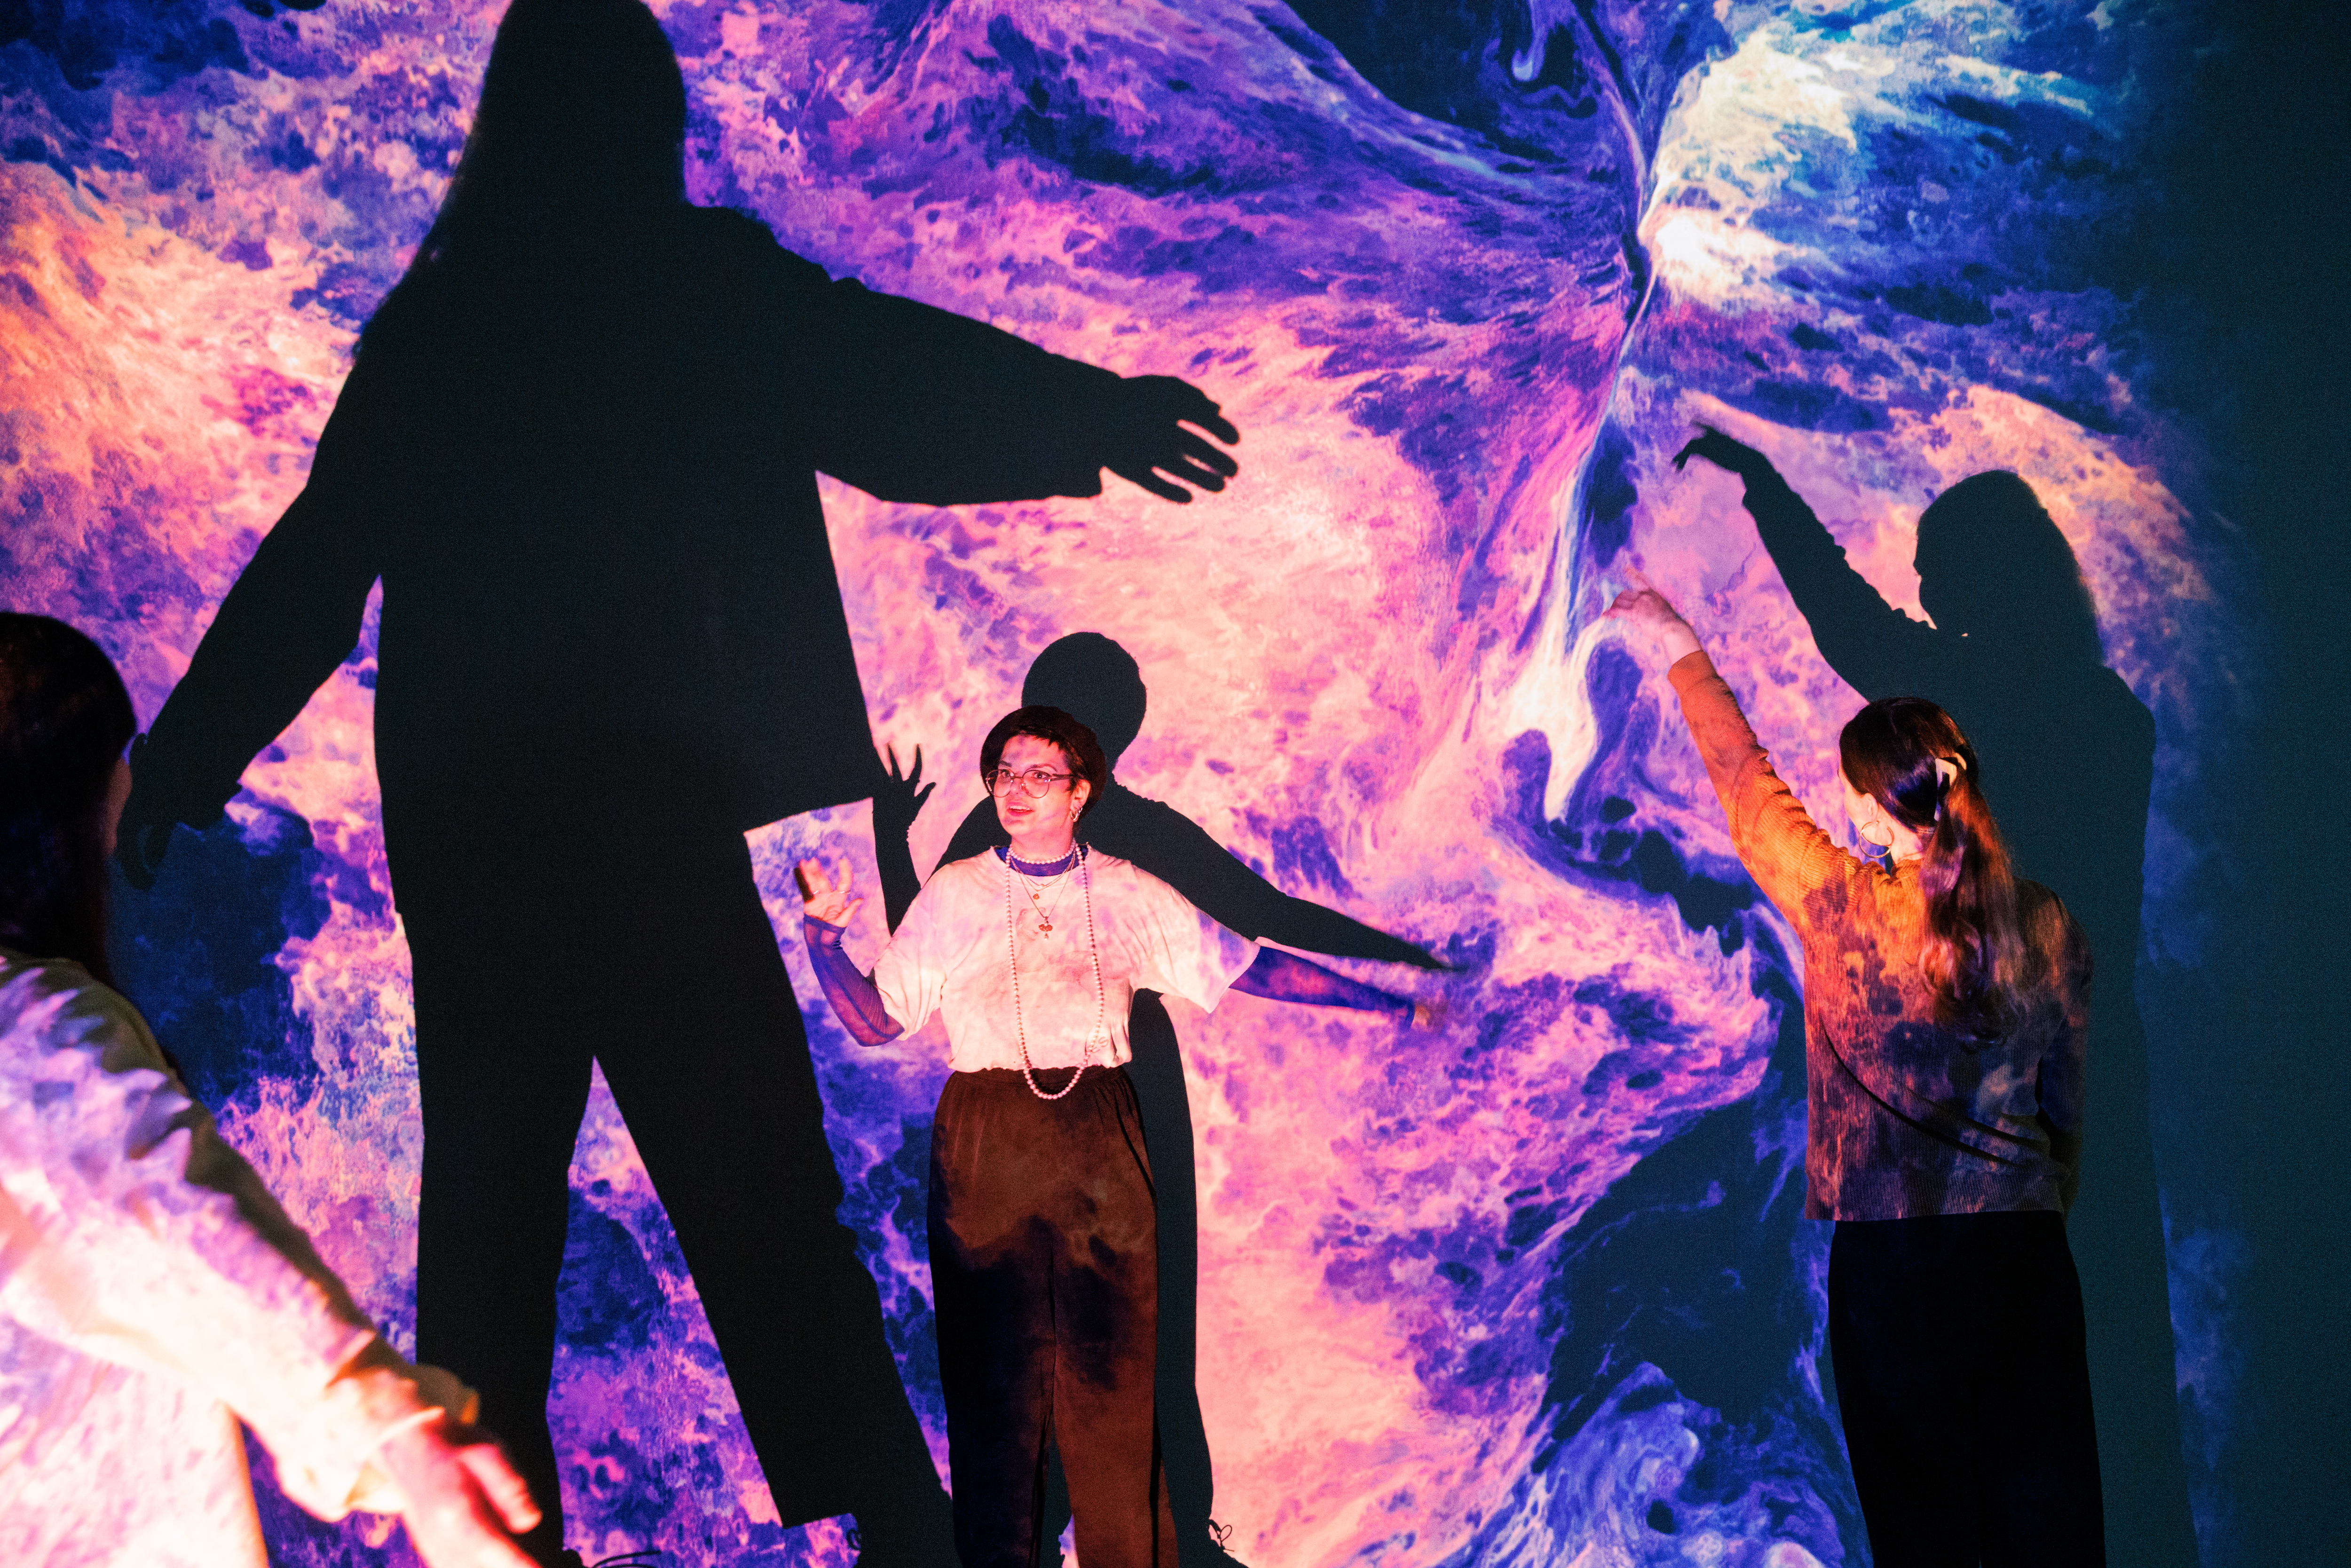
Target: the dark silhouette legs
pixel 1158 1072
pixel 2116 1230
pixel 500 1120
pixel 663 968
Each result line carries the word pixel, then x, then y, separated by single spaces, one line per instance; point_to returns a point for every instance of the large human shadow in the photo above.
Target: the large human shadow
pixel 579 449
pixel 1090 677
pixel 2068 760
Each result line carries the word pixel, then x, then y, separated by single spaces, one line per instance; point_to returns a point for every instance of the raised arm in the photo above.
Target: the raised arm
pixel 1783 850
pixel 827 907
pixel 914 403
pixel 1874 648
pixel 292 616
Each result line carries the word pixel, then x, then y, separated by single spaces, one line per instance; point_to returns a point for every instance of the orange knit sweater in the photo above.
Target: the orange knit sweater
pixel 1907 1116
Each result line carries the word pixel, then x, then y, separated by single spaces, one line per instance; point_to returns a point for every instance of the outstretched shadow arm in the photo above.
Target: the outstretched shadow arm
pixel 1874 648
pixel 1179 853
pixel 291 618
pixel 914 403
pixel 1299 923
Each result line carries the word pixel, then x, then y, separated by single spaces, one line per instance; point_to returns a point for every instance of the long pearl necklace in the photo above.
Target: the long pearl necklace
pixel 1093 951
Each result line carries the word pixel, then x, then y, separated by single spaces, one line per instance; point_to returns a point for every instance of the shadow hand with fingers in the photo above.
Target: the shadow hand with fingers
pixel 1150 435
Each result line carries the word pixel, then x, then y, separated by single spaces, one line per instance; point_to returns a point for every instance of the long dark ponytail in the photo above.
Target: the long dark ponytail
pixel 577 137
pixel 1908 755
pixel 64 721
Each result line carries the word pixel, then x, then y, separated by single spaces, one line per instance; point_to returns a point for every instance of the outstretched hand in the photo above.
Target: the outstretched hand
pixel 1724 452
pixel 895 808
pixel 1148 443
pixel 1650 621
pixel 822 897
pixel 463 1500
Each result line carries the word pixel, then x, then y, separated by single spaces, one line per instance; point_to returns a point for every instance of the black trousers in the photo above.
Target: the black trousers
pixel 643 948
pixel 1965 1391
pixel 1044 1253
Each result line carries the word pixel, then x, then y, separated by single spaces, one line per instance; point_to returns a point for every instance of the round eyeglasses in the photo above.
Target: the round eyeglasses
pixel 1035 782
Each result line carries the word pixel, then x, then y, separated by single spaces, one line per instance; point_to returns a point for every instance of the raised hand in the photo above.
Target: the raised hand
pixel 1147 442
pixel 822 897
pixel 1724 452
pixel 462 1500
pixel 1649 620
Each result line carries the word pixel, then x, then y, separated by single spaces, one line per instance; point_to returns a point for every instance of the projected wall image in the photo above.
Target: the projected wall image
pixel 1533 1288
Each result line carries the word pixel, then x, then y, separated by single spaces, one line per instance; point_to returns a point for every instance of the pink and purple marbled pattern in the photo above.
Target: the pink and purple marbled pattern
pixel 1532 1290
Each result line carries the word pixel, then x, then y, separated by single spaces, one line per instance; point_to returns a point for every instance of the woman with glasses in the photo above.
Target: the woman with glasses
pixel 1043 1232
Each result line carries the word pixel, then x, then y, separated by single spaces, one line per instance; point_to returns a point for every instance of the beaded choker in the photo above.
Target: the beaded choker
pixel 1043 868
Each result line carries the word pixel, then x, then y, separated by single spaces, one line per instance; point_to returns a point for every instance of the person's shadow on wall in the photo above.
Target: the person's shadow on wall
pixel 1097 682
pixel 2068 760
pixel 579 449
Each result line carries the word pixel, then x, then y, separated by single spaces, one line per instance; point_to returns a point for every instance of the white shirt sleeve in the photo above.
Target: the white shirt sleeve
pixel 1183 952
pixel 129 1232
pixel 911 973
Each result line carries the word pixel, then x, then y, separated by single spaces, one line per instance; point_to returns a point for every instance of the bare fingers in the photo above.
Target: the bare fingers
pixel 823 895
pixel 506 1491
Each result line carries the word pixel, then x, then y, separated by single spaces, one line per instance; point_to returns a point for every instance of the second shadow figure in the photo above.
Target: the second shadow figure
pixel 1094 679
pixel 2068 753
pixel 579 448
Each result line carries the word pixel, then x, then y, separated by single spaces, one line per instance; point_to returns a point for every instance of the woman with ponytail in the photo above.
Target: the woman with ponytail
pixel 1946 1016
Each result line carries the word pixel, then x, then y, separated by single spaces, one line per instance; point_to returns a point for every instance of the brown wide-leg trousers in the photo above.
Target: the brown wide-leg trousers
pixel 1044 1240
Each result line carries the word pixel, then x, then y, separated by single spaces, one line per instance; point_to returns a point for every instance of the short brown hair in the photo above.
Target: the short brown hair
pixel 1077 742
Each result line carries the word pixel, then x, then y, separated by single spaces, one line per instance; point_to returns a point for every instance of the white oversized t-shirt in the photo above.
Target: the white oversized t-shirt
pixel 950 957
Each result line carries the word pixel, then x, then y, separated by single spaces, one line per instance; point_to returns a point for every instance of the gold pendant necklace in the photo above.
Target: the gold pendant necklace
pixel 1045 916
pixel 1057 885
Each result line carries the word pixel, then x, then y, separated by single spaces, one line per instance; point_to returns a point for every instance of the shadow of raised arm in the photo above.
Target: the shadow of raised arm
pixel 1874 648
